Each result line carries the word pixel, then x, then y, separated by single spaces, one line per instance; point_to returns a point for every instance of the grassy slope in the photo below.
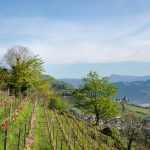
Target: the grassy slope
pixel 65 131
pixel 41 137
pixel 140 111
pixel 13 131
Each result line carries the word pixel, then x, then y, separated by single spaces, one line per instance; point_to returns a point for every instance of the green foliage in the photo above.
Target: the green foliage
pixel 4 78
pixel 94 96
pixel 137 110
pixel 24 75
pixel 119 142
pixel 25 69
pixel 57 103
pixel 19 122
pixel 132 128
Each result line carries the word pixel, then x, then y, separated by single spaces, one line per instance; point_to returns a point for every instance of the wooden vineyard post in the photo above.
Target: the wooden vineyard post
pixel 10 110
pixel 36 95
pixel 25 135
pixel 19 138
pixel 28 125
pixel 74 143
pixel 73 124
pixel 82 146
pixel 51 139
pixel 82 131
pixel 77 132
pixel 14 104
pixel 89 147
pixel 90 142
pixel 5 140
pixel 27 93
pixel 30 120
pixel 61 144
pixel 10 105
pixel 18 101
pixel 56 139
pixel 53 132
pixel 5 112
pixel 61 118
pixel 65 128
pixel 95 132
pixel 8 93
pixel 69 138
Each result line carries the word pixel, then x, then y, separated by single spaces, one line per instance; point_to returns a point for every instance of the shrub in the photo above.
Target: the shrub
pixel 57 103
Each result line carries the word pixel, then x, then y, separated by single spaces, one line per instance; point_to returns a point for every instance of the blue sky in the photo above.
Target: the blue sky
pixel 75 36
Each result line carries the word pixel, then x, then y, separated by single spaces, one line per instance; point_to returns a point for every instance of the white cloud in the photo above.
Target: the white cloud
pixel 69 42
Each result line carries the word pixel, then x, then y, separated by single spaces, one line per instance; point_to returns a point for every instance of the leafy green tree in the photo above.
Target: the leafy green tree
pixel 94 96
pixel 132 129
pixel 4 78
pixel 57 103
pixel 24 67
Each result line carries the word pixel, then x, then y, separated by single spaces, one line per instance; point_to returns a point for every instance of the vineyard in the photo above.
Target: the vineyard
pixel 27 124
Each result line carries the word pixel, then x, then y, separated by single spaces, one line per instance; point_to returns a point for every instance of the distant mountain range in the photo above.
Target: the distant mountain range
pixel 138 91
pixel 75 82
pixel 124 78
pixel 136 88
pixel 112 78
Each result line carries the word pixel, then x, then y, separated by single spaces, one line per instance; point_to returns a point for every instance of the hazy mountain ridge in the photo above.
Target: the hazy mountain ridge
pixel 138 91
pixel 136 88
pixel 127 78
pixel 112 78
pixel 75 82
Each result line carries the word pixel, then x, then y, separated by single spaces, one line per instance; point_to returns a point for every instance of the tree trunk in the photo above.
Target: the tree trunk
pixel 97 119
pixel 129 144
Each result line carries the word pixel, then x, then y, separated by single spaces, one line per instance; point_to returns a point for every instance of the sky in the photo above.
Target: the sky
pixel 76 36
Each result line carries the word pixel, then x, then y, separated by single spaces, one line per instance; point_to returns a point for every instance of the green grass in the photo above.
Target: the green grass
pixel 41 137
pixel 139 111
pixel 14 126
pixel 5 110
pixel 64 131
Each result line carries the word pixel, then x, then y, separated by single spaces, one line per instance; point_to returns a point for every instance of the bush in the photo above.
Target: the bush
pixel 57 103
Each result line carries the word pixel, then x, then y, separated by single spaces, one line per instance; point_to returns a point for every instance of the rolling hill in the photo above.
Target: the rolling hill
pixel 58 84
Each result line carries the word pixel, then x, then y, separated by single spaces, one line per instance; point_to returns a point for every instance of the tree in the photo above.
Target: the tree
pixel 24 67
pixel 57 103
pixel 94 96
pixel 146 132
pixel 132 128
pixel 4 78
